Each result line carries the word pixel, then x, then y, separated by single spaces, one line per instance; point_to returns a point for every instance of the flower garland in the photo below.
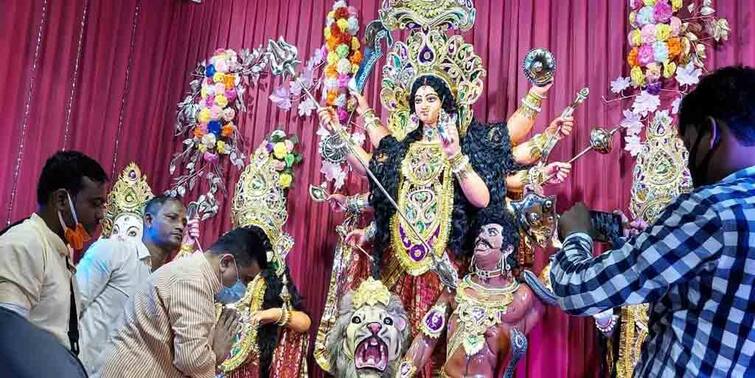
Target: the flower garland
pixel 215 132
pixel 282 149
pixel 664 45
pixel 343 56
pixel 207 115
pixel 339 58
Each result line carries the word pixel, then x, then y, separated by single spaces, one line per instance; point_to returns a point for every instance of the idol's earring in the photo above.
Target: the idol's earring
pixel 472 267
pixel 442 119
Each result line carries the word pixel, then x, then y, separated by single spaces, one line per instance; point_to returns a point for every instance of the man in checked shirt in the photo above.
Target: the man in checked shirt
pixel 696 265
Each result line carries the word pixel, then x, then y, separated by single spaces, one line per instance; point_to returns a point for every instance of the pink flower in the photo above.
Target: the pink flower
pixel 216 112
pixel 343 80
pixel 352 11
pixel 343 115
pixel 635 4
pixel 289 145
pixel 209 101
pixel 662 11
pixel 230 95
pixel 219 88
pixel 279 165
pixel 676 26
pixel 210 157
pixel 646 55
pixel 648 33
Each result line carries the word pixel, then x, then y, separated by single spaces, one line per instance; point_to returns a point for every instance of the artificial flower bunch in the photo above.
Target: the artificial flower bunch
pixel 282 148
pixel 215 133
pixel 661 41
pixel 343 56
pixel 663 46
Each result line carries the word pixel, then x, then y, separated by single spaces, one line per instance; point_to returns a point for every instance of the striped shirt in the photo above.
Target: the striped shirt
pixel 696 268
pixel 168 325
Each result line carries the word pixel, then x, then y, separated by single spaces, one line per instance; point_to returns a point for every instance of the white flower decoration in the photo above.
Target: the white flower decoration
pixel 281 97
pixel 620 84
pixel 632 122
pixel 688 75
pixel 675 105
pixel 358 138
pixel 645 103
pixel 634 145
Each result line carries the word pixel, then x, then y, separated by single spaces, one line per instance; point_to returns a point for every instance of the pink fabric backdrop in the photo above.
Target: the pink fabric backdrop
pixel 104 77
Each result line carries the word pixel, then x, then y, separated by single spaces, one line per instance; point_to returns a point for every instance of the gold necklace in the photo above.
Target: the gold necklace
pixel 245 341
pixel 477 314
pixel 426 196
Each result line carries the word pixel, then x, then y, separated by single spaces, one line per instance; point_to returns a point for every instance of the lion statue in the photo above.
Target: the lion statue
pixel 370 333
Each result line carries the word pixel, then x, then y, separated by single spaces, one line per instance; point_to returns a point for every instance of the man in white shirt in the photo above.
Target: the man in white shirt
pixel 35 260
pixel 113 269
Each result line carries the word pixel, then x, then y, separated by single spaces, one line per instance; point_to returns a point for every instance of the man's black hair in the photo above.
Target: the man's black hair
pixel 66 170
pixel 246 244
pixel 153 205
pixel 728 94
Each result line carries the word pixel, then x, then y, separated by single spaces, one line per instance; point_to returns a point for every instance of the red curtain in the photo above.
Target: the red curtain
pixel 104 77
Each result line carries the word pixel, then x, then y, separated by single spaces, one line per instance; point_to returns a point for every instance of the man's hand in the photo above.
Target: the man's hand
pixel 225 329
pixel 576 219
pixel 191 232
pixel 632 228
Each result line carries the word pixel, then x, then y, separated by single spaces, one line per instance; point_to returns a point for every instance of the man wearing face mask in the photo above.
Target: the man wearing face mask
pixel 170 325
pixel 113 269
pixel 36 268
pixel 695 266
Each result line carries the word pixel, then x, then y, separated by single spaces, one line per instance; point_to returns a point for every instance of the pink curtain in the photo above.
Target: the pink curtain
pixel 104 77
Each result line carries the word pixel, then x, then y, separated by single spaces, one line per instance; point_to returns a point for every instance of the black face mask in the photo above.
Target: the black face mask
pixel 698 172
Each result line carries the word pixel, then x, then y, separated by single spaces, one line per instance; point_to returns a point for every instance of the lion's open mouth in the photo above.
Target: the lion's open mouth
pixel 371 353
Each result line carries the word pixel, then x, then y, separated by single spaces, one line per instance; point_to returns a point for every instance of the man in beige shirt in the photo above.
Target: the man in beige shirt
pixel 113 269
pixel 170 328
pixel 35 263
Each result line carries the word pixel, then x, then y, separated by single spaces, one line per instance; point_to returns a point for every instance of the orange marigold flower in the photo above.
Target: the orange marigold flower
pixel 198 133
pixel 227 130
pixel 331 71
pixel 356 57
pixel 229 81
pixel 332 94
pixel 332 43
pixel 674 47
pixel 632 58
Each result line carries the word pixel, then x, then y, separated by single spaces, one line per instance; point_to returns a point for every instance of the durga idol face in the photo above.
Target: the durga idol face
pixel 128 227
pixel 427 104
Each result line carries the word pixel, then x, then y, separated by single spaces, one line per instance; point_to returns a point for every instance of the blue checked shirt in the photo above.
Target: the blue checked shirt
pixel 695 267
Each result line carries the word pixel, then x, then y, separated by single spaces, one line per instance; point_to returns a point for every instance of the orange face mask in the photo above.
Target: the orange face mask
pixel 78 236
